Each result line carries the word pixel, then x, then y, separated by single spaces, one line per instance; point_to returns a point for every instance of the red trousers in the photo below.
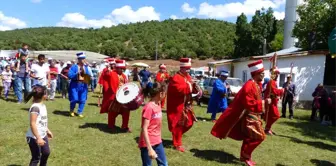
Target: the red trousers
pixel 272 117
pixel 112 115
pixel 163 101
pixel 248 147
pixel 177 133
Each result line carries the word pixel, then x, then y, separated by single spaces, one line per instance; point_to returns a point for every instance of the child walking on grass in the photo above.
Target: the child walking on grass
pixel 150 142
pixel 38 133
pixel 7 80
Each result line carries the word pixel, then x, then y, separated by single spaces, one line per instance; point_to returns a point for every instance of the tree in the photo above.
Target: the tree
pixel 317 19
pixel 264 26
pixel 244 37
pixel 276 44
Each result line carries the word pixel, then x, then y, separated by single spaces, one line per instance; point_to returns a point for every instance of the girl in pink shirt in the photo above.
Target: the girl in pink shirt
pixel 150 142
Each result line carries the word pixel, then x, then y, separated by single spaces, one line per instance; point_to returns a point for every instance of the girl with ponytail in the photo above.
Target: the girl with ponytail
pixel 150 142
pixel 38 133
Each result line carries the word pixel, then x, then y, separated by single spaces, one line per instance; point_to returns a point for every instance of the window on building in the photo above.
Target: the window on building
pixel 244 76
pixel 283 78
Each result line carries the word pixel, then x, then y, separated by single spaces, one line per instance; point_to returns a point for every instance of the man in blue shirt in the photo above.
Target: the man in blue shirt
pixel 218 99
pixel 79 74
pixel 144 77
pixel 290 93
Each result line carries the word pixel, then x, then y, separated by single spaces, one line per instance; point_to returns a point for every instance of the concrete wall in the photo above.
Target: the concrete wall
pixel 308 72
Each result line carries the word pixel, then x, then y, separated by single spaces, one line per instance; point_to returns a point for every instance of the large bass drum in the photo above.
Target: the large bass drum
pixel 130 96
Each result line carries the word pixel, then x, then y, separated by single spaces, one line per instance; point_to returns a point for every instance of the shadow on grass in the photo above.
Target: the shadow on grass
pixel 312 130
pixel 63 113
pixel 102 127
pixel 279 165
pixel 96 96
pixel 9 100
pixel 14 165
pixel 315 144
pixel 322 162
pixel 93 104
pixel 215 155
pixel 166 143
pixel 24 109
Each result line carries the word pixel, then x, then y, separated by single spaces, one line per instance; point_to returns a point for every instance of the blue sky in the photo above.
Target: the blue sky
pixel 97 13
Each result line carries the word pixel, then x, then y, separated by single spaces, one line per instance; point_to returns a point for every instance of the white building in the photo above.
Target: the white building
pixel 308 70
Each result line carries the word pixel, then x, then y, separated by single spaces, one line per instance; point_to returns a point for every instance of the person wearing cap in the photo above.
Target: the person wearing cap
pixel 289 96
pixel 218 99
pixel 272 93
pixel 118 78
pixel 242 119
pixel 79 75
pixel 105 82
pixel 95 75
pixel 65 79
pixel 161 77
pixel 179 106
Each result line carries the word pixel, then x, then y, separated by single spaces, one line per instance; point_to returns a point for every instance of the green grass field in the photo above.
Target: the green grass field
pixel 88 141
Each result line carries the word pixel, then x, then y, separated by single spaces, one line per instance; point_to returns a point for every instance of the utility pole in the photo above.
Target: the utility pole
pixel 264 46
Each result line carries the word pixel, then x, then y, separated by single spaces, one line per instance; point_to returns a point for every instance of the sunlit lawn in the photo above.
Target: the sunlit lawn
pixel 88 141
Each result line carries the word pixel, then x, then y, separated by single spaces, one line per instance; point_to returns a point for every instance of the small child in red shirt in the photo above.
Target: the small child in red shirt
pixel 150 142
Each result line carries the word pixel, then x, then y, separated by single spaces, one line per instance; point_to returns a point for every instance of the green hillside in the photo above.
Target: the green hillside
pixel 176 38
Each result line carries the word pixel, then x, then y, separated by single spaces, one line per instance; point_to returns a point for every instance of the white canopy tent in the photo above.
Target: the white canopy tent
pixel 7 53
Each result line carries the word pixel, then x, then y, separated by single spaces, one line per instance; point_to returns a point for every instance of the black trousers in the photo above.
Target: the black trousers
pixel 313 114
pixel 288 100
pixel 39 154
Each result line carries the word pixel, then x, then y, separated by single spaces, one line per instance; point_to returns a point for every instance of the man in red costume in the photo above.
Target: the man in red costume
pixel 241 120
pixel 179 110
pixel 104 81
pixel 118 79
pixel 272 93
pixel 162 76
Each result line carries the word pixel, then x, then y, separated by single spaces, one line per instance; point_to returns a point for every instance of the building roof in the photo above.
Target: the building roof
pixel 281 52
pixel 285 53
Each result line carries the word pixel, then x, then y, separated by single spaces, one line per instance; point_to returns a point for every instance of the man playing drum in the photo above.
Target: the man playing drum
pixel 117 80
pixel 179 98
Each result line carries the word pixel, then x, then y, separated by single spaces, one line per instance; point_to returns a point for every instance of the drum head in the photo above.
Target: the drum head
pixel 127 93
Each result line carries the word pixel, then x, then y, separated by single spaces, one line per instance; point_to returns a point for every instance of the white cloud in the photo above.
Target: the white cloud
pixel 234 9
pixel 174 17
pixel 279 15
pixel 186 8
pixel 36 1
pixel 9 23
pixel 126 14
pixel 80 21
pixel 121 15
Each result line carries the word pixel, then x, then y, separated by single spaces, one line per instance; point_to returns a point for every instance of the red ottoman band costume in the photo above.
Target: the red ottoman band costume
pixel 241 120
pixel 179 109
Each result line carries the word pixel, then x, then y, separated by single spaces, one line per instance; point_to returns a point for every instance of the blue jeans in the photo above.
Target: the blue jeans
pixel 19 83
pixel 94 83
pixel 161 159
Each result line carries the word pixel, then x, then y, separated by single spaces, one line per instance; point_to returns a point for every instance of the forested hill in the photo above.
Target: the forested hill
pixel 176 38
